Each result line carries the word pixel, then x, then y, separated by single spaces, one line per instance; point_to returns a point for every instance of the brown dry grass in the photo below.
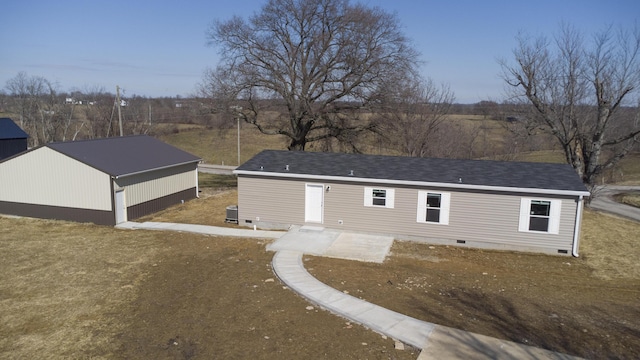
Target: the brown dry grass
pixel 609 245
pixel 629 198
pixel 62 283
pixel 209 209
pixel 85 291
pixel 71 291
pixel 221 146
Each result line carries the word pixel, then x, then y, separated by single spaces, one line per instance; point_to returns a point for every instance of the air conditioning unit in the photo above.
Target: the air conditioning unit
pixel 232 214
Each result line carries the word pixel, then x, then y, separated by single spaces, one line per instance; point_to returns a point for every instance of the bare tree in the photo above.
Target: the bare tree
pixel 308 69
pixel 413 119
pixel 99 112
pixel 34 99
pixel 577 89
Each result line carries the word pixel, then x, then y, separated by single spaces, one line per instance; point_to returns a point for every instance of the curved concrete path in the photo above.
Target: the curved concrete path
pixel 288 267
pixel 436 342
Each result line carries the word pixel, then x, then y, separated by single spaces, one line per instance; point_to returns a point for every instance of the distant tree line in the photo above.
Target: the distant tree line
pixel 48 114
pixel 331 75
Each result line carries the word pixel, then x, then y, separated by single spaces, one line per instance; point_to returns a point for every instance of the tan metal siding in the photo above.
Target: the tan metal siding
pixel 148 186
pixel 44 176
pixel 474 216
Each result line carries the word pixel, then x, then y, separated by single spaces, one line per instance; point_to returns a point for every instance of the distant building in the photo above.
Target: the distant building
pixel 72 101
pixel 13 140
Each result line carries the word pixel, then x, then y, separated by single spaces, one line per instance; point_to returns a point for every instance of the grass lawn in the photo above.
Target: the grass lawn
pixel 85 291
pixel 220 147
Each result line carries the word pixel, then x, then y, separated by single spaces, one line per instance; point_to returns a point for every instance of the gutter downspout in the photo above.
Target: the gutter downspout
pixel 197 187
pixel 576 230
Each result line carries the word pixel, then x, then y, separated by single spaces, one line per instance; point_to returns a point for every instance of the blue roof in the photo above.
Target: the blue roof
pixel 9 130
pixel 470 174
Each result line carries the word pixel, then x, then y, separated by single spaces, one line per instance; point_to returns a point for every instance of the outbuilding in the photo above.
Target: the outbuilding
pixel 486 204
pixel 13 140
pixel 105 181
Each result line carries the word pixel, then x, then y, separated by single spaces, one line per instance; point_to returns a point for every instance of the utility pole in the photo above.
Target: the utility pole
pixel 238 117
pixel 119 111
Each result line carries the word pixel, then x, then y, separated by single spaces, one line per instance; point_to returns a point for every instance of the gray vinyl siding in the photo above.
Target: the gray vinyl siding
pixel 490 218
pixel 271 200
pixel 473 217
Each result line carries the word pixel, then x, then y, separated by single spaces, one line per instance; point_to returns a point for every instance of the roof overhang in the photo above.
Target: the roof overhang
pixel 416 183
pixel 155 169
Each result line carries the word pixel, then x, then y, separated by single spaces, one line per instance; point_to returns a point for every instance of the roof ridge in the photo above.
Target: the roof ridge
pixel 415 157
pixel 98 139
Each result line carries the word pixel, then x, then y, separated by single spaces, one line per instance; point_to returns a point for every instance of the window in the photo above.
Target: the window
pixel 379 197
pixel 539 215
pixel 539 219
pixel 433 207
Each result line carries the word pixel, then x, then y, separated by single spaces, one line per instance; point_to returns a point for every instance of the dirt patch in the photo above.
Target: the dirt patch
pixel 552 302
pixel 84 291
pixel 223 301
pixel 583 306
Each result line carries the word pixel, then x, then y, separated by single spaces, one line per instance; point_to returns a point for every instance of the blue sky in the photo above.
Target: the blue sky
pixel 158 48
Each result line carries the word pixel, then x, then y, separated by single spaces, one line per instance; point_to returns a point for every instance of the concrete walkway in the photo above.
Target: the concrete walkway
pixel 202 229
pixel 436 342
pixel 604 201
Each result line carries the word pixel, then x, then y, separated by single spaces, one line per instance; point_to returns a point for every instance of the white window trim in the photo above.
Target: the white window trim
pixel 389 198
pixel 445 206
pixel 554 215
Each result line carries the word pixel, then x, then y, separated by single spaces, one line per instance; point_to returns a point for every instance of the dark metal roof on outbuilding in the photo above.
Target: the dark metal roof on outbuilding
pixel 9 130
pixel 120 156
pixel 453 172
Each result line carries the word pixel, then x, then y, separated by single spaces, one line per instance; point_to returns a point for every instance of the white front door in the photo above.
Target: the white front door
pixel 121 207
pixel 313 203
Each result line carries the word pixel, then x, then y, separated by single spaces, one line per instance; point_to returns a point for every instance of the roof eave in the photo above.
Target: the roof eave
pixel 416 183
pixel 155 169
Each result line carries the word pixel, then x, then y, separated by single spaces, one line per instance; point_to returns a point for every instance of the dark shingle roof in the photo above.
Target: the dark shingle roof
pixel 118 156
pixel 462 173
pixel 9 130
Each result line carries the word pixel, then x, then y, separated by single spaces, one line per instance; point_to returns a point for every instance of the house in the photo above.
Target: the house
pixel 13 139
pixel 486 204
pixel 104 181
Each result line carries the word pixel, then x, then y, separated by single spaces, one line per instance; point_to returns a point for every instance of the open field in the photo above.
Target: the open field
pixel 630 198
pixel 220 147
pixel 85 291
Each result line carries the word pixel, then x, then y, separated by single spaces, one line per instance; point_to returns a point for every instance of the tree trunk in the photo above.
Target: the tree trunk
pixel 297 144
